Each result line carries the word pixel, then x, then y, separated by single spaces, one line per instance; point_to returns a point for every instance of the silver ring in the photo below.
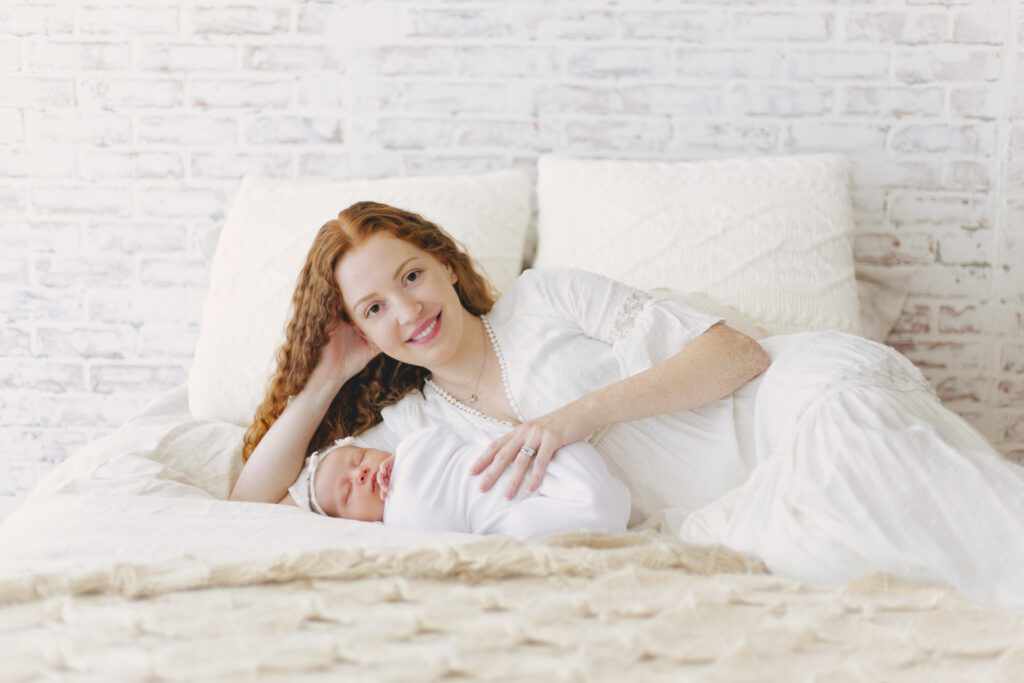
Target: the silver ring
pixel 529 451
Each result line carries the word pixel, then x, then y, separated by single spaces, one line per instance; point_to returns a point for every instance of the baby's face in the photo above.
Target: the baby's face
pixel 346 483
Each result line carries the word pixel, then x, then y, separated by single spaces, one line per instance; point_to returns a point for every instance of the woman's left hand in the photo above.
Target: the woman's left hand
pixel 530 443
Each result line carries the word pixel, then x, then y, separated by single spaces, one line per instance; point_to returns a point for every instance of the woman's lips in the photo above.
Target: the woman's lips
pixel 430 327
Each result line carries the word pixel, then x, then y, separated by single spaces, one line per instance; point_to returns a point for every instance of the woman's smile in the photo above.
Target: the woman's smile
pixel 427 331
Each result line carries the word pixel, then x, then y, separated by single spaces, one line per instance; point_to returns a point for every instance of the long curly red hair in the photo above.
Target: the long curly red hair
pixel 317 304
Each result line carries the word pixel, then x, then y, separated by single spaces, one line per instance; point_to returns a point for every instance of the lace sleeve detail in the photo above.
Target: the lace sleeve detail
pixel 628 313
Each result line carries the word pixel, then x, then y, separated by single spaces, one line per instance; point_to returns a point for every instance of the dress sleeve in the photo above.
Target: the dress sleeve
pixel 643 328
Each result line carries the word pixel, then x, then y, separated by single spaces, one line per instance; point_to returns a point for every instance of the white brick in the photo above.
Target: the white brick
pixel 187 130
pixel 169 340
pixel 894 248
pixel 968 175
pixel 230 165
pixel 825 137
pixel 838 65
pixel 418 164
pixel 321 90
pixel 314 18
pixel 240 93
pixel 75 56
pixel 693 26
pixel 944 139
pixel 173 272
pixel 1015 176
pixel 914 319
pixel 780 26
pixel 38 163
pixel 943 355
pixel 12 198
pixel 38 92
pixel 1011 358
pixel 619 62
pixel 450 97
pixel 187 57
pixel 135 236
pixel 14 271
pixel 10 57
pixel 88 200
pixel 37 449
pixel 106 378
pixel 896 27
pixel 134 306
pixel 41 237
pixel 291 58
pixel 939 211
pixel 965 247
pixel 954 63
pixel 240 20
pixel 194 202
pixel 348 166
pixel 555 23
pixel 953 282
pixel 1009 282
pixel 46 19
pixel 109 270
pixel 457 23
pixel 505 133
pixel 758 63
pixel 1017 141
pixel 128 19
pixel 508 62
pixel 892 173
pixel 86 341
pixel 292 130
pixel 12 130
pixel 35 304
pixel 131 92
pixel 97 164
pixel 893 101
pixel 400 60
pixel 962 388
pixel 86 410
pixel 15 341
pixel 101 129
pixel 783 100
pixel 16 410
pixel 981 25
pixel 725 137
pixel 392 133
pixel 577 99
pixel 673 99
pixel 40 375
pixel 648 135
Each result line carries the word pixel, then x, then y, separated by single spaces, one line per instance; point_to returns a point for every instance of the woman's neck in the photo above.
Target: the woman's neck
pixel 463 374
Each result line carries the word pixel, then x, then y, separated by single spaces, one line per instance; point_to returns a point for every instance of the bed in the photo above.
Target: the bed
pixel 127 563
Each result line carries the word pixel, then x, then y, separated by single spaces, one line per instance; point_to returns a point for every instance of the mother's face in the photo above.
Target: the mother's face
pixel 403 300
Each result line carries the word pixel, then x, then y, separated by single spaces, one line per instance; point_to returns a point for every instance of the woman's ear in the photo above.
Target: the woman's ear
pixel 452 277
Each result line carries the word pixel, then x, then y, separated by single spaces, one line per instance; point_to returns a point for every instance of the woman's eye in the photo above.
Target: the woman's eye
pixel 413 276
pixel 372 309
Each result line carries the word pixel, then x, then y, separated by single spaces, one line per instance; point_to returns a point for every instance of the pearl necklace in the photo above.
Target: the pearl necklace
pixel 504 381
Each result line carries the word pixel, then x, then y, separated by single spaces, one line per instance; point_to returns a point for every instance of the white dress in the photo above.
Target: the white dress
pixel 431 490
pixel 836 462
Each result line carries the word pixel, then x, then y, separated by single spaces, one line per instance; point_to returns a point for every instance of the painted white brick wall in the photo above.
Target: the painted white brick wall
pixel 125 127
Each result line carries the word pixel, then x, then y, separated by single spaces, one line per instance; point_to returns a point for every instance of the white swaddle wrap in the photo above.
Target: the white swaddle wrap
pixel 431 489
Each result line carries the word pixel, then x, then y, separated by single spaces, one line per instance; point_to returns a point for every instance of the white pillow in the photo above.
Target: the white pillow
pixel 264 243
pixel 771 237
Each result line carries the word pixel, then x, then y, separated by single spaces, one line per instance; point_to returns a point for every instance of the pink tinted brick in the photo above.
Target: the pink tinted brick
pixel 107 378
pixel 186 57
pixel 893 101
pixel 128 19
pixel 757 63
pixel 76 56
pixel 900 248
pixel 241 93
pixel 619 62
pixel 780 26
pixel 554 23
pixel 1010 392
pixel 1011 358
pixel 783 100
pixel 87 342
pixel 952 282
pixel 915 319
pixel 291 58
pixel 960 319
pixel 240 20
pixel 940 211
pixel 40 375
pixel 695 26
pixel 972 389
pixel 508 62
pixel 457 23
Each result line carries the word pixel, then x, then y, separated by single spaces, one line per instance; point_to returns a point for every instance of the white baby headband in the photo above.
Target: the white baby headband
pixel 314 461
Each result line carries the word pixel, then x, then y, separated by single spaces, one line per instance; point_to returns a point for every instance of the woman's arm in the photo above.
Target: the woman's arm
pixel 277 459
pixel 710 367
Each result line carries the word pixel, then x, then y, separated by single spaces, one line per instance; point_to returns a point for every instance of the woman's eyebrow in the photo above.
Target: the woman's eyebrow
pixel 398 271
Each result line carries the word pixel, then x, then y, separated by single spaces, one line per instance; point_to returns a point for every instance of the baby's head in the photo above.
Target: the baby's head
pixel 343 481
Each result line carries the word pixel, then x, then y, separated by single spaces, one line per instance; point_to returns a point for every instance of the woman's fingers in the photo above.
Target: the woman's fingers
pixel 540 464
pixel 520 464
pixel 487 457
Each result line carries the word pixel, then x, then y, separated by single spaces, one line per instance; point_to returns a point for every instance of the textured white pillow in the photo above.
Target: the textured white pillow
pixel 264 243
pixel 771 237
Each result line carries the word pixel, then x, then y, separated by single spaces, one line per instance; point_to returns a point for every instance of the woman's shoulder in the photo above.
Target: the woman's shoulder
pixel 537 289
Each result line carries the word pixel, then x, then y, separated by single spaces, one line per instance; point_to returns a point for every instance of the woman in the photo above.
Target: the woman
pixel 836 462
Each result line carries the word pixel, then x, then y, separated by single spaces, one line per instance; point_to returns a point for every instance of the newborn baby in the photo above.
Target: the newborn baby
pixel 426 486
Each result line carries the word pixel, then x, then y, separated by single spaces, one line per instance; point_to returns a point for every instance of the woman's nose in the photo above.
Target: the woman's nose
pixel 408 309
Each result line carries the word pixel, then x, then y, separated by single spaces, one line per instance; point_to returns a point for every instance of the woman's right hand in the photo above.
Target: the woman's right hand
pixel 347 352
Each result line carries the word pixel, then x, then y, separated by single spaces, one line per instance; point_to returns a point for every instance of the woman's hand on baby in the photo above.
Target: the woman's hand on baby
pixel 346 353
pixel 384 477
pixel 545 436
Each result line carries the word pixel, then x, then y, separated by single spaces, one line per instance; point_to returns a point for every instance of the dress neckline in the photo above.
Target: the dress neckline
pixel 504 382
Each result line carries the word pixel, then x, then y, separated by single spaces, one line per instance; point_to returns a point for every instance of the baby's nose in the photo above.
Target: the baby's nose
pixel 362 474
